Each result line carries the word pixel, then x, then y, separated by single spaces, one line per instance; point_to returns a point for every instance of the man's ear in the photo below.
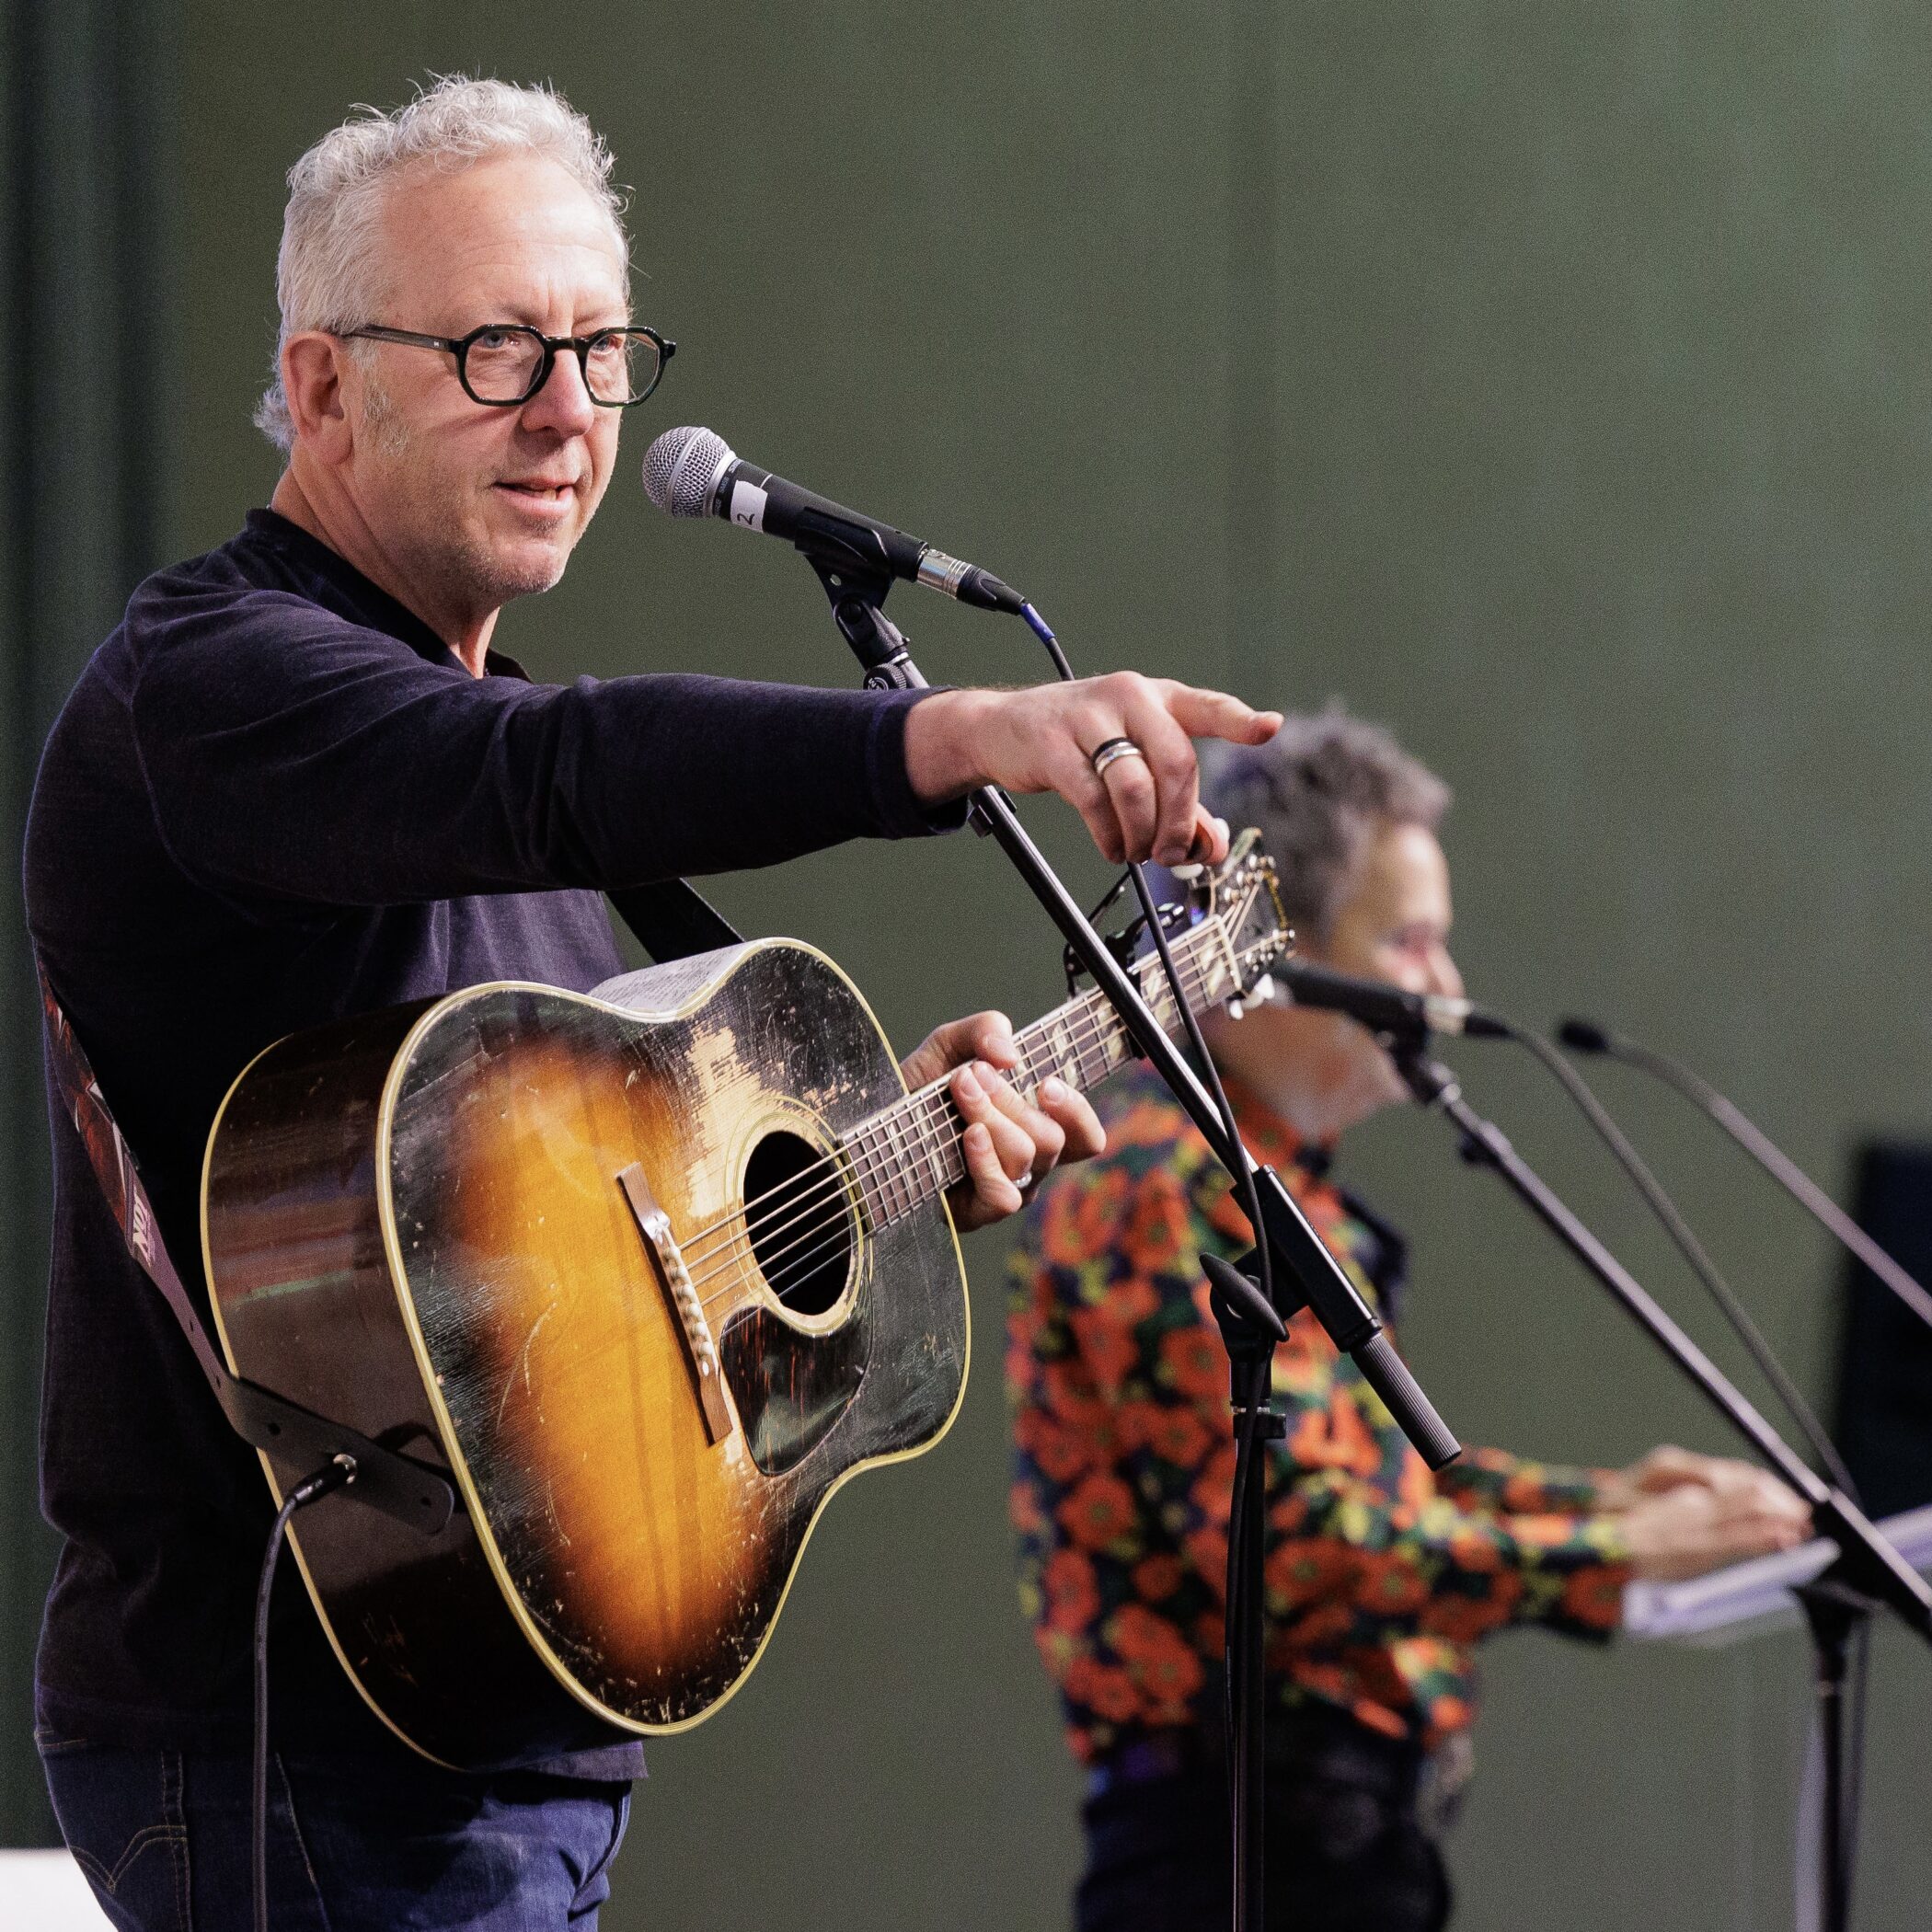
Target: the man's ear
pixel 312 380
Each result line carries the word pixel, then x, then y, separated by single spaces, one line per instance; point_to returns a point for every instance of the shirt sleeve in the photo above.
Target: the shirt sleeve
pixel 1409 1558
pixel 1494 1480
pixel 290 756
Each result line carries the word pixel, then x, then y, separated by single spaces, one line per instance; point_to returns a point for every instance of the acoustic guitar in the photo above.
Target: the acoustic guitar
pixel 647 1272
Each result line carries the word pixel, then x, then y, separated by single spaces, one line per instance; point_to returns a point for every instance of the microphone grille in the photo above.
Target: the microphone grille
pixel 682 469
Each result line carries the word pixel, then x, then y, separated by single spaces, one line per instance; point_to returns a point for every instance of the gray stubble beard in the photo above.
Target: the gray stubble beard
pixel 474 572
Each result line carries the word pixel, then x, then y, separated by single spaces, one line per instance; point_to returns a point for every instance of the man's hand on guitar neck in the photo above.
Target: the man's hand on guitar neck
pixel 1043 738
pixel 1011 1141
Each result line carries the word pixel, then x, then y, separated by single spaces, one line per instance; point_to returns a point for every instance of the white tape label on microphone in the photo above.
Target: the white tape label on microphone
pixel 748 506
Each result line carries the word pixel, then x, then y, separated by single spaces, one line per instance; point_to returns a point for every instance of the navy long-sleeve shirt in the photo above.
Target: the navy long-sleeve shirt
pixel 275 798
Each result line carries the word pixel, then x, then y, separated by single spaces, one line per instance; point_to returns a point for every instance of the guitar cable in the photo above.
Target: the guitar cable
pixel 337 1475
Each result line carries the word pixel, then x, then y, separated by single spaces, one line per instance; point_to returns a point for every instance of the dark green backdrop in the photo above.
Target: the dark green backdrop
pixel 1551 382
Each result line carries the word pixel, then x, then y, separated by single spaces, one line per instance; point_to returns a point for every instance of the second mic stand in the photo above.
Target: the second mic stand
pixel 1869 1570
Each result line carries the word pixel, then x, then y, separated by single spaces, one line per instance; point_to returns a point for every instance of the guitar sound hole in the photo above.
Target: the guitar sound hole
pixel 796 1216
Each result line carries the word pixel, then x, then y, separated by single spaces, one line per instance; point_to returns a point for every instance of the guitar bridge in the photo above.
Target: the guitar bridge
pixel 686 1310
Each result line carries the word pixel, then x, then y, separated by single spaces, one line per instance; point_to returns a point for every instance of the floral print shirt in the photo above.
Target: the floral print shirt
pixel 1380 1577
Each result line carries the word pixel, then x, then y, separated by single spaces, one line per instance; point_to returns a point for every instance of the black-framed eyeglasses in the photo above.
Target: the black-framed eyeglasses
pixel 504 363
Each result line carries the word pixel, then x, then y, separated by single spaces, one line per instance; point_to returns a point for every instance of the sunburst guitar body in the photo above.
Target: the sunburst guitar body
pixel 647 1273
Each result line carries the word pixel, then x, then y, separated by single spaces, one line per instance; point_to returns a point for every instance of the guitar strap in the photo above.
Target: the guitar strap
pixel 671 920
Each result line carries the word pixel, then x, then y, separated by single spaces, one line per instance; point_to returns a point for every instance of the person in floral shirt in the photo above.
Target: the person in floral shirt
pixel 1380 1577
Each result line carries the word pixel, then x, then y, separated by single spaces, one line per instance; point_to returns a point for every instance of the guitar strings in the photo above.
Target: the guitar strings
pixel 828 1235
pixel 869 1165
pixel 873 1165
pixel 721 1247
pixel 881 1122
pixel 871 1162
pixel 1085 1014
pixel 1088 1017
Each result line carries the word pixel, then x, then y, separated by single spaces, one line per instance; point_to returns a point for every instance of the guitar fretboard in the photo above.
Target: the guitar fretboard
pixel 911 1152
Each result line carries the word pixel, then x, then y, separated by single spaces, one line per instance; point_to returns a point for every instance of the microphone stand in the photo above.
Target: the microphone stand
pixel 857 590
pixel 1868 1571
pixel 1250 1331
pixel 1583 1037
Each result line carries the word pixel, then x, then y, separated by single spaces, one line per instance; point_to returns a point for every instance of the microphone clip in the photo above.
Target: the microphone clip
pixel 1125 944
pixel 856 588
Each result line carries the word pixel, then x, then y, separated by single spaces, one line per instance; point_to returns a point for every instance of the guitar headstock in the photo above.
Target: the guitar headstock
pixel 1241 893
pixel 1229 918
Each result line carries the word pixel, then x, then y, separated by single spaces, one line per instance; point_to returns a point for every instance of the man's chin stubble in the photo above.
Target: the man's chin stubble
pixel 480 568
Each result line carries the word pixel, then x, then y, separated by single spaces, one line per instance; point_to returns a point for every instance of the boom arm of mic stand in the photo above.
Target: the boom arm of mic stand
pixel 1867 1560
pixel 1339 1306
pixel 1777 1164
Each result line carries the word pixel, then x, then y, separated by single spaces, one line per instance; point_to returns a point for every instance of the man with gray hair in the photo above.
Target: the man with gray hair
pixel 1380 1577
pixel 296 784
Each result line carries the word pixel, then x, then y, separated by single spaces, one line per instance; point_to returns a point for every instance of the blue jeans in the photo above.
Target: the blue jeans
pixel 355 1844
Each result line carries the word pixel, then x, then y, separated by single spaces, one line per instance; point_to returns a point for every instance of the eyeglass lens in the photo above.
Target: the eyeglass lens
pixel 502 365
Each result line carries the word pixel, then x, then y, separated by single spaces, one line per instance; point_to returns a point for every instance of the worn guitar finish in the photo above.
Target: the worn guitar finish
pixel 647 1272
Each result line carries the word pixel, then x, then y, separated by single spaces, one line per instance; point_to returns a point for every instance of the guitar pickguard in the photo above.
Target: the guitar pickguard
pixel 790 1388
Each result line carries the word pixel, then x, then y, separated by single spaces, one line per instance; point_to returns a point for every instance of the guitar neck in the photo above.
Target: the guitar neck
pixel 908 1154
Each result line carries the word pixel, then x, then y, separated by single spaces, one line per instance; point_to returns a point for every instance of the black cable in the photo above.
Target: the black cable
pixel 1693 1250
pixel 339 1472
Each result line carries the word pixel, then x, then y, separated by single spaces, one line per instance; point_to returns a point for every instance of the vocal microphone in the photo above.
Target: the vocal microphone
pixel 692 472
pixel 1410 1017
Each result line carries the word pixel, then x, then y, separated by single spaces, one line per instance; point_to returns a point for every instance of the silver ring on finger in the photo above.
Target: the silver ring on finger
pixel 1111 753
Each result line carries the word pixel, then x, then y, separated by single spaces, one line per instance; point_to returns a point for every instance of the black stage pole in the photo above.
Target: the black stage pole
pixel 1868 1569
pixel 1834 1615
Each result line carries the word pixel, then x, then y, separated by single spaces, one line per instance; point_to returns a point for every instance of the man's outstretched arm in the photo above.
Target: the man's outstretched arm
pixel 329 764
